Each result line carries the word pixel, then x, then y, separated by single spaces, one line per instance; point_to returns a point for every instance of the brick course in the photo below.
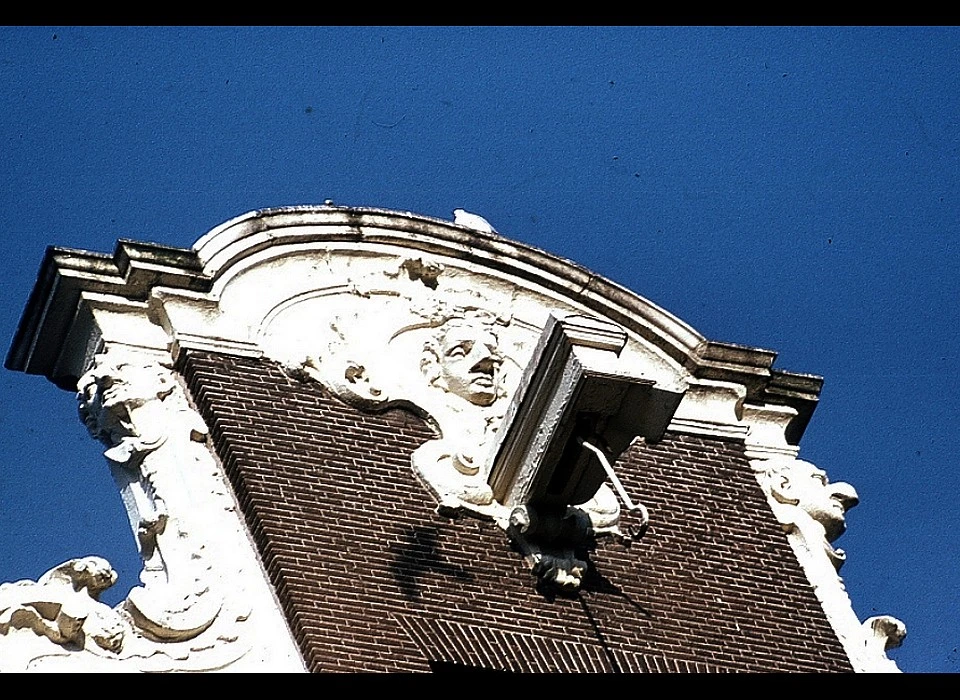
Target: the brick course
pixel 371 578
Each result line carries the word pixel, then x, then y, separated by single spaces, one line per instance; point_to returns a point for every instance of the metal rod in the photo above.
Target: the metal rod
pixel 631 506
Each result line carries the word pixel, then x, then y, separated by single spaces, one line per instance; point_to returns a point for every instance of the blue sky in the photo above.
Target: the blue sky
pixel 793 188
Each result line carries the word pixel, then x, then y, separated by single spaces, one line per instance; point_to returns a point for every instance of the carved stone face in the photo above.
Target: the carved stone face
pixel 116 391
pixel 95 574
pixel 824 502
pixel 123 385
pixel 468 363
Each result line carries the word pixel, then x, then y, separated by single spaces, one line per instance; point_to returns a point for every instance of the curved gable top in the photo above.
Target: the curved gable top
pixel 220 282
pixel 221 250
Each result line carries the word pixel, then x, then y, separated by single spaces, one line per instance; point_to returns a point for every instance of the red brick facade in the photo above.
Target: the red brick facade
pixel 371 578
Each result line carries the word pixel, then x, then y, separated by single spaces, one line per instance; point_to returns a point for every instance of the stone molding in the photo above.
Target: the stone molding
pixel 136 270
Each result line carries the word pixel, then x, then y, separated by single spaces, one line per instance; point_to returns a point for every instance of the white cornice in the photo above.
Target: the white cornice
pixel 141 271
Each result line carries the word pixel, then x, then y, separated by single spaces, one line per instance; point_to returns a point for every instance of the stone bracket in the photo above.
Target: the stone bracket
pixel 576 410
pixel 574 389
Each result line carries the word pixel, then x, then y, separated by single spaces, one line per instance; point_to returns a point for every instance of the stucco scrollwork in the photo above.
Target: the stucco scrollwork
pixel 398 337
pixel 453 374
pixel 462 364
pixel 191 608
pixel 883 632
pixel 140 413
pixel 812 511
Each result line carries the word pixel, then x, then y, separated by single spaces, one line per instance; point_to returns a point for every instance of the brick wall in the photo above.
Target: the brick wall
pixel 371 578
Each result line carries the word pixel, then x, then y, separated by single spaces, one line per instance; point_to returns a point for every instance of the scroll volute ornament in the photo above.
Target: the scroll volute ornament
pixel 140 412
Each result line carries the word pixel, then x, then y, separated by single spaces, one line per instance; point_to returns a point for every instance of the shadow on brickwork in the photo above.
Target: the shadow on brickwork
pixel 595 583
pixel 417 556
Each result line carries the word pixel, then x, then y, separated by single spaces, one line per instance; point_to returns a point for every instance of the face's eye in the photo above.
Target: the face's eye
pixel 460 349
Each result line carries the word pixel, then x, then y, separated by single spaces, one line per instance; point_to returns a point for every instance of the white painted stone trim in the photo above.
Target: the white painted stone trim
pixel 204 603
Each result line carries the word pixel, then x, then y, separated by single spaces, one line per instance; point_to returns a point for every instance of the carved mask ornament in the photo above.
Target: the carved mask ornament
pixel 818 507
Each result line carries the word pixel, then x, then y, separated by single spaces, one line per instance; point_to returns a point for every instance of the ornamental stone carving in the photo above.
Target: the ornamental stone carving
pixel 140 413
pixel 398 338
pixel 452 370
pixel 64 606
pixel 810 505
pixel 812 511
pixel 180 616
pixel 883 633
pixel 383 309
pixel 409 336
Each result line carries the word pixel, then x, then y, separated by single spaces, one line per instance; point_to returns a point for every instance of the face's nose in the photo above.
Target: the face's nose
pixel 484 364
pixel 845 493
